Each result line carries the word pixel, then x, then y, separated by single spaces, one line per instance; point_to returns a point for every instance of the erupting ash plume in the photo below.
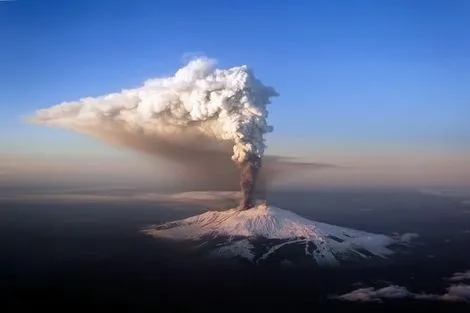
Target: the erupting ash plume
pixel 195 117
pixel 248 173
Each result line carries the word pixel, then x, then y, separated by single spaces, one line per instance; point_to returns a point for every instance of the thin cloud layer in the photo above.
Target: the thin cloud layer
pixel 460 276
pixel 454 293
pixel 371 294
pixel 202 198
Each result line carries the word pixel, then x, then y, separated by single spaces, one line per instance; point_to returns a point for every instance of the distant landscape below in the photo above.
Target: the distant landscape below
pixel 92 238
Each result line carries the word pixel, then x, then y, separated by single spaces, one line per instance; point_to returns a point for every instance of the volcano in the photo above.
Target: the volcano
pixel 268 234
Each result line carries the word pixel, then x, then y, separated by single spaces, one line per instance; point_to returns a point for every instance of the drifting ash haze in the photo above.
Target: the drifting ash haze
pixel 196 117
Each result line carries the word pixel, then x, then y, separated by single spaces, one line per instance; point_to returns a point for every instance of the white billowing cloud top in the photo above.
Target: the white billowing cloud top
pixel 199 100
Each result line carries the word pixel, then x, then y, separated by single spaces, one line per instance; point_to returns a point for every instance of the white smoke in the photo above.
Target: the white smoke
pixel 198 106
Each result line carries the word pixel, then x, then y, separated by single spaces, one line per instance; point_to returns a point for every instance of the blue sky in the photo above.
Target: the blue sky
pixel 349 73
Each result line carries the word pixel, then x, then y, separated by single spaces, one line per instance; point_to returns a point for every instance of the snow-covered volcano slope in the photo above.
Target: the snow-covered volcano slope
pixel 258 233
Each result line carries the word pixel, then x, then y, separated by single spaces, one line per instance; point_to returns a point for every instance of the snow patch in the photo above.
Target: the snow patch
pixel 241 248
pixel 409 236
pixel 327 244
